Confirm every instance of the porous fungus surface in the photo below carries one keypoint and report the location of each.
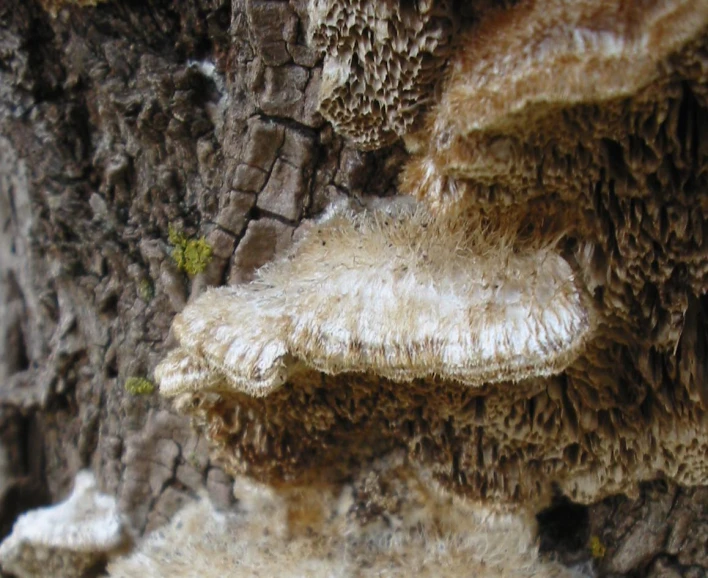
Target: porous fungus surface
(381, 63)
(593, 431)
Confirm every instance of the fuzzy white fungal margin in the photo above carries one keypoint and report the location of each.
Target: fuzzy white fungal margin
(401, 296)
(66, 539)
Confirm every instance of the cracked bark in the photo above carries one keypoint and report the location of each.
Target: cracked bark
(116, 123)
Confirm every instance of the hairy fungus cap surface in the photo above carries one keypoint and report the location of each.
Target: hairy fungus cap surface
(66, 539)
(381, 63)
(542, 55)
(474, 307)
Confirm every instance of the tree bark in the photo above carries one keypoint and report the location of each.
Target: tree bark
(119, 123)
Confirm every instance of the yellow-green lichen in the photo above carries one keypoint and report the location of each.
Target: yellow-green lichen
(146, 290)
(193, 461)
(190, 255)
(597, 548)
(139, 386)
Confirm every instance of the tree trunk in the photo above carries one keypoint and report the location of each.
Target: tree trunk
(120, 124)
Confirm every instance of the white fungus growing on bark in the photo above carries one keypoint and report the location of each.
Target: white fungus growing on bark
(65, 540)
(404, 297)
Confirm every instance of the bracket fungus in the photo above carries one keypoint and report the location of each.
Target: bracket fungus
(526, 80)
(469, 304)
(599, 110)
(381, 62)
(538, 321)
(322, 533)
(314, 368)
(68, 539)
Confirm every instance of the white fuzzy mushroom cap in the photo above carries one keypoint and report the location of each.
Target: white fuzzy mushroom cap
(65, 539)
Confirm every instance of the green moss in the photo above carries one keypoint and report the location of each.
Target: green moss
(139, 386)
(146, 290)
(190, 255)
